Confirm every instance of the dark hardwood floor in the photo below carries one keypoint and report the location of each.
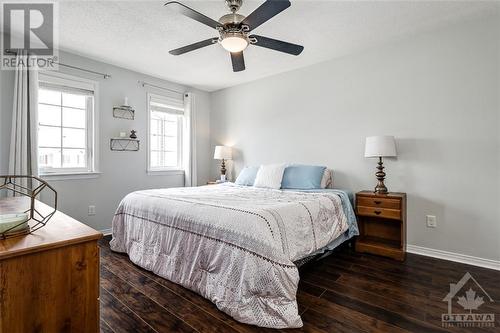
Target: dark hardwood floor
(346, 292)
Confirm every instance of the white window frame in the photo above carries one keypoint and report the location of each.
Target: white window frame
(92, 133)
(179, 169)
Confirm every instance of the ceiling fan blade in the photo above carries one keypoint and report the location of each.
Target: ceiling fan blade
(277, 45)
(194, 46)
(264, 12)
(185, 10)
(238, 61)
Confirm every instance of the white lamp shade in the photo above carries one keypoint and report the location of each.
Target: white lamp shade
(380, 146)
(223, 153)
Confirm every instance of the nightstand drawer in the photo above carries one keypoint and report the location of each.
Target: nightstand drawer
(379, 202)
(379, 212)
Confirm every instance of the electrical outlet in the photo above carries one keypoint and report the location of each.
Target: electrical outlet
(91, 210)
(431, 221)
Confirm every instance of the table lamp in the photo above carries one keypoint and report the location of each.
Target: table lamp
(223, 153)
(380, 146)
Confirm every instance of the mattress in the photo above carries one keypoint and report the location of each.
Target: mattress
(234, 245)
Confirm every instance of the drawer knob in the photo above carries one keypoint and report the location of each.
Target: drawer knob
(377, 212)
(377, 202)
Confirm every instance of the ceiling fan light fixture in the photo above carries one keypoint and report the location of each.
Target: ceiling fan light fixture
(234, 42)
(235, 30)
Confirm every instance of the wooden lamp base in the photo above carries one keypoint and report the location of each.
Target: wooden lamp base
(380, 174)
(223, 171)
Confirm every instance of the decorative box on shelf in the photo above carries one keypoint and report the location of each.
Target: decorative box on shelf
(382, 224)
(124, 144)
(124, 112)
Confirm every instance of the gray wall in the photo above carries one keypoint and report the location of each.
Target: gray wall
(122, 172)
(437, 93)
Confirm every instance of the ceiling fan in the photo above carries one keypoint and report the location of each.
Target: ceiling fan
(234, 30)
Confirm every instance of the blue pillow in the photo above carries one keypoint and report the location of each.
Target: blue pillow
(247, 176)
(302, 177)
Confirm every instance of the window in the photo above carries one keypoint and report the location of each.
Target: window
(166, 121)
(65, 125)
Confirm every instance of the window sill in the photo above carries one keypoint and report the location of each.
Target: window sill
(70, 176)
(165, 172)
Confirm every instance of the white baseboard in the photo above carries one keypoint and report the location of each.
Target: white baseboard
(457, 257)
(106, 232)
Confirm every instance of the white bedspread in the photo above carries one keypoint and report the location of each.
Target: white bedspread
(233, 245)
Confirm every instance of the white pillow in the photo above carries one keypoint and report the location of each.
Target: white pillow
(327, 180)
(270, 176)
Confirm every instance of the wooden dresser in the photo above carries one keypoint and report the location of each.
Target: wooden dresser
(49, 280)
(382, 224)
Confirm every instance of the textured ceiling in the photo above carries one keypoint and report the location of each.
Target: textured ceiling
(138, 34)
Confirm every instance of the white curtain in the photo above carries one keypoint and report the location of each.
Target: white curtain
(189, 150)
(23, 159)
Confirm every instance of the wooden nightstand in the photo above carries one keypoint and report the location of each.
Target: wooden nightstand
(382, 224)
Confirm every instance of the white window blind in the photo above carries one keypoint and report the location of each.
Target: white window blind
(166, 118)
(65, 125)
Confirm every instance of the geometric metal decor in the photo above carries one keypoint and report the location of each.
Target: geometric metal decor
(124, 144)
(24, 191)
(124, 112)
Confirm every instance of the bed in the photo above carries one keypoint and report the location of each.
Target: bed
(238, 246)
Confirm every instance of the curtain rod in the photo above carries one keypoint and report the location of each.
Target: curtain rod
(104, 75)
(142, 83)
